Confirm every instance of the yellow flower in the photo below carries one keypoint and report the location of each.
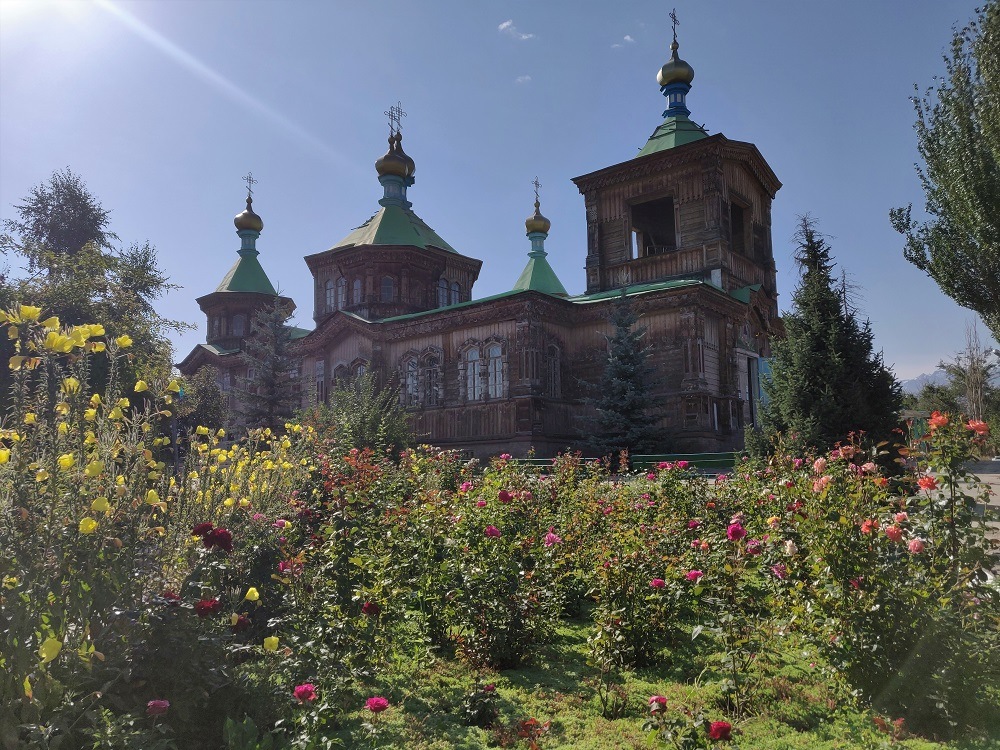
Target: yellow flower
(50, 649)
(30, 418)
(90, 414)
(99, 346)
(252, 595)
(123, 403)
(174, 387)
(244, 503)
(90, 439)
(88, 525)
(140, 386)
(234, 619)
(95, 400)
(221, 433)
(66, 461)
(271, 643)
(95, 329)
(70, 386)
(27, 312)
(94, 468)
(62, 408)
(56, 342)
(63, 428)
(228, 502)
(152, 497)
(115, 413)
(124, 341)
(100, 505)
(4, 455)
(51, 324)
(41, 475)
(201, 430)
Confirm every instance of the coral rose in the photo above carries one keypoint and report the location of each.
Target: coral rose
(927, 483)
(937, 419)
(895, 533)
(978, 426)
(916, 546)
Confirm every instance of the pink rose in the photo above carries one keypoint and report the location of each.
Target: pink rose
(735, 532)
(895, 533)
(305, 693)
(504, 497)
(157, 707)
(377, 704)
(466, 486)
(780, 571)
(693, 575)
(901, 517)
(916, 546)
(819, 465)
(657, 703)
(694, 524)
(657, 583)
(682, 465)
(480, 503)
(651, 476)
(551, 538)
(492, 531)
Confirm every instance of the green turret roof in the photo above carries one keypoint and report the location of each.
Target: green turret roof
(395, 225)
(676, 130)
(538, 276)
(247, 276)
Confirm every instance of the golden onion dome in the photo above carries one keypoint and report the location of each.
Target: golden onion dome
(411, 166)
(248, 219)
(392, 163)
(676, 70)
(537, 222)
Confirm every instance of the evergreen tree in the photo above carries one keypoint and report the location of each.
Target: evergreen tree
(204, 403)
(826, 380)
(267, 394)
(626, 418)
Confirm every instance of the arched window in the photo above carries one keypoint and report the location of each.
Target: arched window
(442, 292)
(360, 369)
(455, 292)
(417, 293)
(340, 374)
(411, 389)
(356, 296)
(432, 379)
(388, 289)
(330, 300)
(320, 381)
(239, 324)
(473, 376)
(553, 384)
(341, 293)
(494, 371)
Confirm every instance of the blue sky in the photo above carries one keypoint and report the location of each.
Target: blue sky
(162, 107)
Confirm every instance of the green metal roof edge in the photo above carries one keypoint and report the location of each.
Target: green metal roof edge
(247, 275)
(395, 225)
(675, 131)
(636, 289)
(539, 276)
(744, 292)
(299, 333)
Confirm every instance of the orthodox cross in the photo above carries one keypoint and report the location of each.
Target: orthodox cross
(674, 22)
(537, 185)
(250, 181)
(395, 114)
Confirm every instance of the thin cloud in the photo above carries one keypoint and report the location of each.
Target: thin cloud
(522, 79)
(627, 39)
(508, 27)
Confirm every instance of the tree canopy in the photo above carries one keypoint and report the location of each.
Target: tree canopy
(958, 136)
(268, 397)
(826, 381)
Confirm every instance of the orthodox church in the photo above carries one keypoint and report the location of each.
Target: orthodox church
(683, 229)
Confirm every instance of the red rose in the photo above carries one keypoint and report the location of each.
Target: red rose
(207, 607)
(201, 529)
(221, 538)
(720, 730)
(371, 609)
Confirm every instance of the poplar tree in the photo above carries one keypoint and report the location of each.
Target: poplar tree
(826, 380)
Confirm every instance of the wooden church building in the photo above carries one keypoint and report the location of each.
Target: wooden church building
(684, 228)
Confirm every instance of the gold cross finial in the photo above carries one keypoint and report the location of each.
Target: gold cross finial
(250, 181)
(674, 22)
(395, 114)
(537, 185)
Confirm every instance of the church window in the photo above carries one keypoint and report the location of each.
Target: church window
(227, 381)
(473, 376)
(411, 390)
(340, 374)
(331, 299)
(356, 296)
(455, 293)
(341, 293)
(737, 227)
(442, 292)
(239, 324)
(654, 227)
(360, 368)
(495, 384)
(215, 326)
(320, 381)
(432, 379)
(553, 384)
(388, 289)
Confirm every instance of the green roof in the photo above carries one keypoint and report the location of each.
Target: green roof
(675, 131)
(636, 289)
(247, 276)
(395, 225)
(299, 333)
(744, 292)
(538, 276)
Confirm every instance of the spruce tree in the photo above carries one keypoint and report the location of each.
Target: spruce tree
(268, 397)
(826, 381)
(626, 416)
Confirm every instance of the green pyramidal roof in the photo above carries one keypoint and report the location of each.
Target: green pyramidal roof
(395, 225)
(676, 130)
(247, 276)
(538, 276)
